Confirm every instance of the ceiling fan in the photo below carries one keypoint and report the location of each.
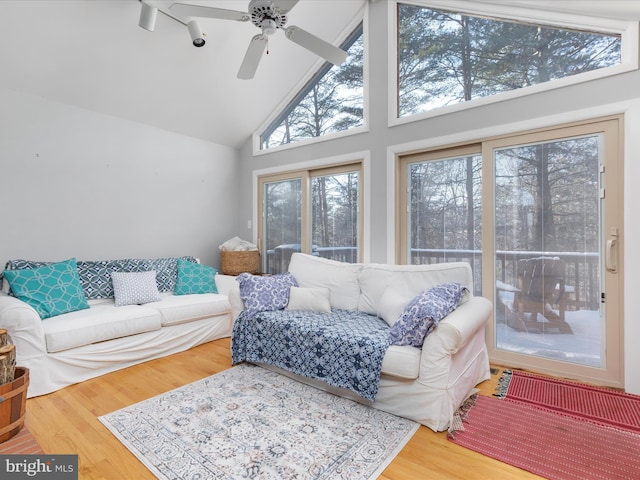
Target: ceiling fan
(269, 16)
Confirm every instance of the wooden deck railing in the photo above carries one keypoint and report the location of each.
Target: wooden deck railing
(581, 273)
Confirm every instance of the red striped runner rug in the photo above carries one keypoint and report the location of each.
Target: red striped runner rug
(601, 405)
(22, 443)
(549, 444)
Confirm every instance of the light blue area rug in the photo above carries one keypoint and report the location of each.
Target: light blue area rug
(249, 422)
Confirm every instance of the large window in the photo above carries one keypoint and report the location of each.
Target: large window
(331, 102)
(447, 57)
(312, 211)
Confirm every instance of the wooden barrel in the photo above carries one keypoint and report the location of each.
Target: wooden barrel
(13, 404)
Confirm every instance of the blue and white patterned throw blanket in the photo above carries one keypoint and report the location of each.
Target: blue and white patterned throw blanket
(342, 348)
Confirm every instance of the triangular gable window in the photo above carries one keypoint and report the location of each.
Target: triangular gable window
(332, 101)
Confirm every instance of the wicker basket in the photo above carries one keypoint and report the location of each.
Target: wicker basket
(235, 263)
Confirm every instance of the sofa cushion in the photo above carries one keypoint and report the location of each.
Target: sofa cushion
(176, 309)
(392, 304)
(408, 279)
(402, 362)
(103, 321)
(50, 289)
(340, 278)
(195, 278)
(134, 288)
(309, 299)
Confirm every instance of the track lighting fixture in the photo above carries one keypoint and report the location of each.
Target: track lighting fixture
(197, 36)
(149, 12)
(148, 16)
(268, 15)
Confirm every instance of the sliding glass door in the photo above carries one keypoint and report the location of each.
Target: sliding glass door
(443, 198)
(538, 216)
(335, 206)
(557, 218)
(282, 223)
(315, 211)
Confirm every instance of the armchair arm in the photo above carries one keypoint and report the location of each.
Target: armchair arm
(227, 285)
(24, 327)
(453, 333)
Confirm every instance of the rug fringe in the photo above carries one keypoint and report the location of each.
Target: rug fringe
(503, 384)
(460, 417)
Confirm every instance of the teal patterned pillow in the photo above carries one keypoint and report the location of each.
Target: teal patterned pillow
(195, 278)
(51, 289)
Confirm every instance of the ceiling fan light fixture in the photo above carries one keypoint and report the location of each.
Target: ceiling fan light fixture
(197, 36)
(148, 16)
(269, 26)
(267, 15)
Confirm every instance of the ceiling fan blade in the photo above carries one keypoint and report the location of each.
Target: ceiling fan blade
(318, 46)
(252, 57)
(284, 6)
(186, 10)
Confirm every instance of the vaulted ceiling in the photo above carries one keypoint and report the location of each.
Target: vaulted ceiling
(92, 54)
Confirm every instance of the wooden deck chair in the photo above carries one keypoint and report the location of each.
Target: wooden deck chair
(540, 287)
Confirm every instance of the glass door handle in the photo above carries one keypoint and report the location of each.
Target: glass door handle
(611, 253)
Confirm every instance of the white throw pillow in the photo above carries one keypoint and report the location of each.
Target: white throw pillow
(135, 288)
(392, 304)
(340, 278)
(309, 299)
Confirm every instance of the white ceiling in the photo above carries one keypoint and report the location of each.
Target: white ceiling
(92, 54)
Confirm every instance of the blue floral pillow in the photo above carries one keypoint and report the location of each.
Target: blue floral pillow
(423, 313)
(261, 294)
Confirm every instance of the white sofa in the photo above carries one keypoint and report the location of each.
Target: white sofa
(73, 347)
(426, 385)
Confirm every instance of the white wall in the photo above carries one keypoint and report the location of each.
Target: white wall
(617, 94)
(75, 183)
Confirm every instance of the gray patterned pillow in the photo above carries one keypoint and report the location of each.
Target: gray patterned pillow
(261, 294)
(96, 275)
(423, 313)
(135, 288)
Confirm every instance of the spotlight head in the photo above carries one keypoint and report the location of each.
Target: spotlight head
(197, 36)
(148, 16)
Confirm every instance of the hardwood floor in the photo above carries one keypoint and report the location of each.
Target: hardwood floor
(66, 422)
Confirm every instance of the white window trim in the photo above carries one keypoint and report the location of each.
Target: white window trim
(629, 31)
(361, 16)
(364, 157)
